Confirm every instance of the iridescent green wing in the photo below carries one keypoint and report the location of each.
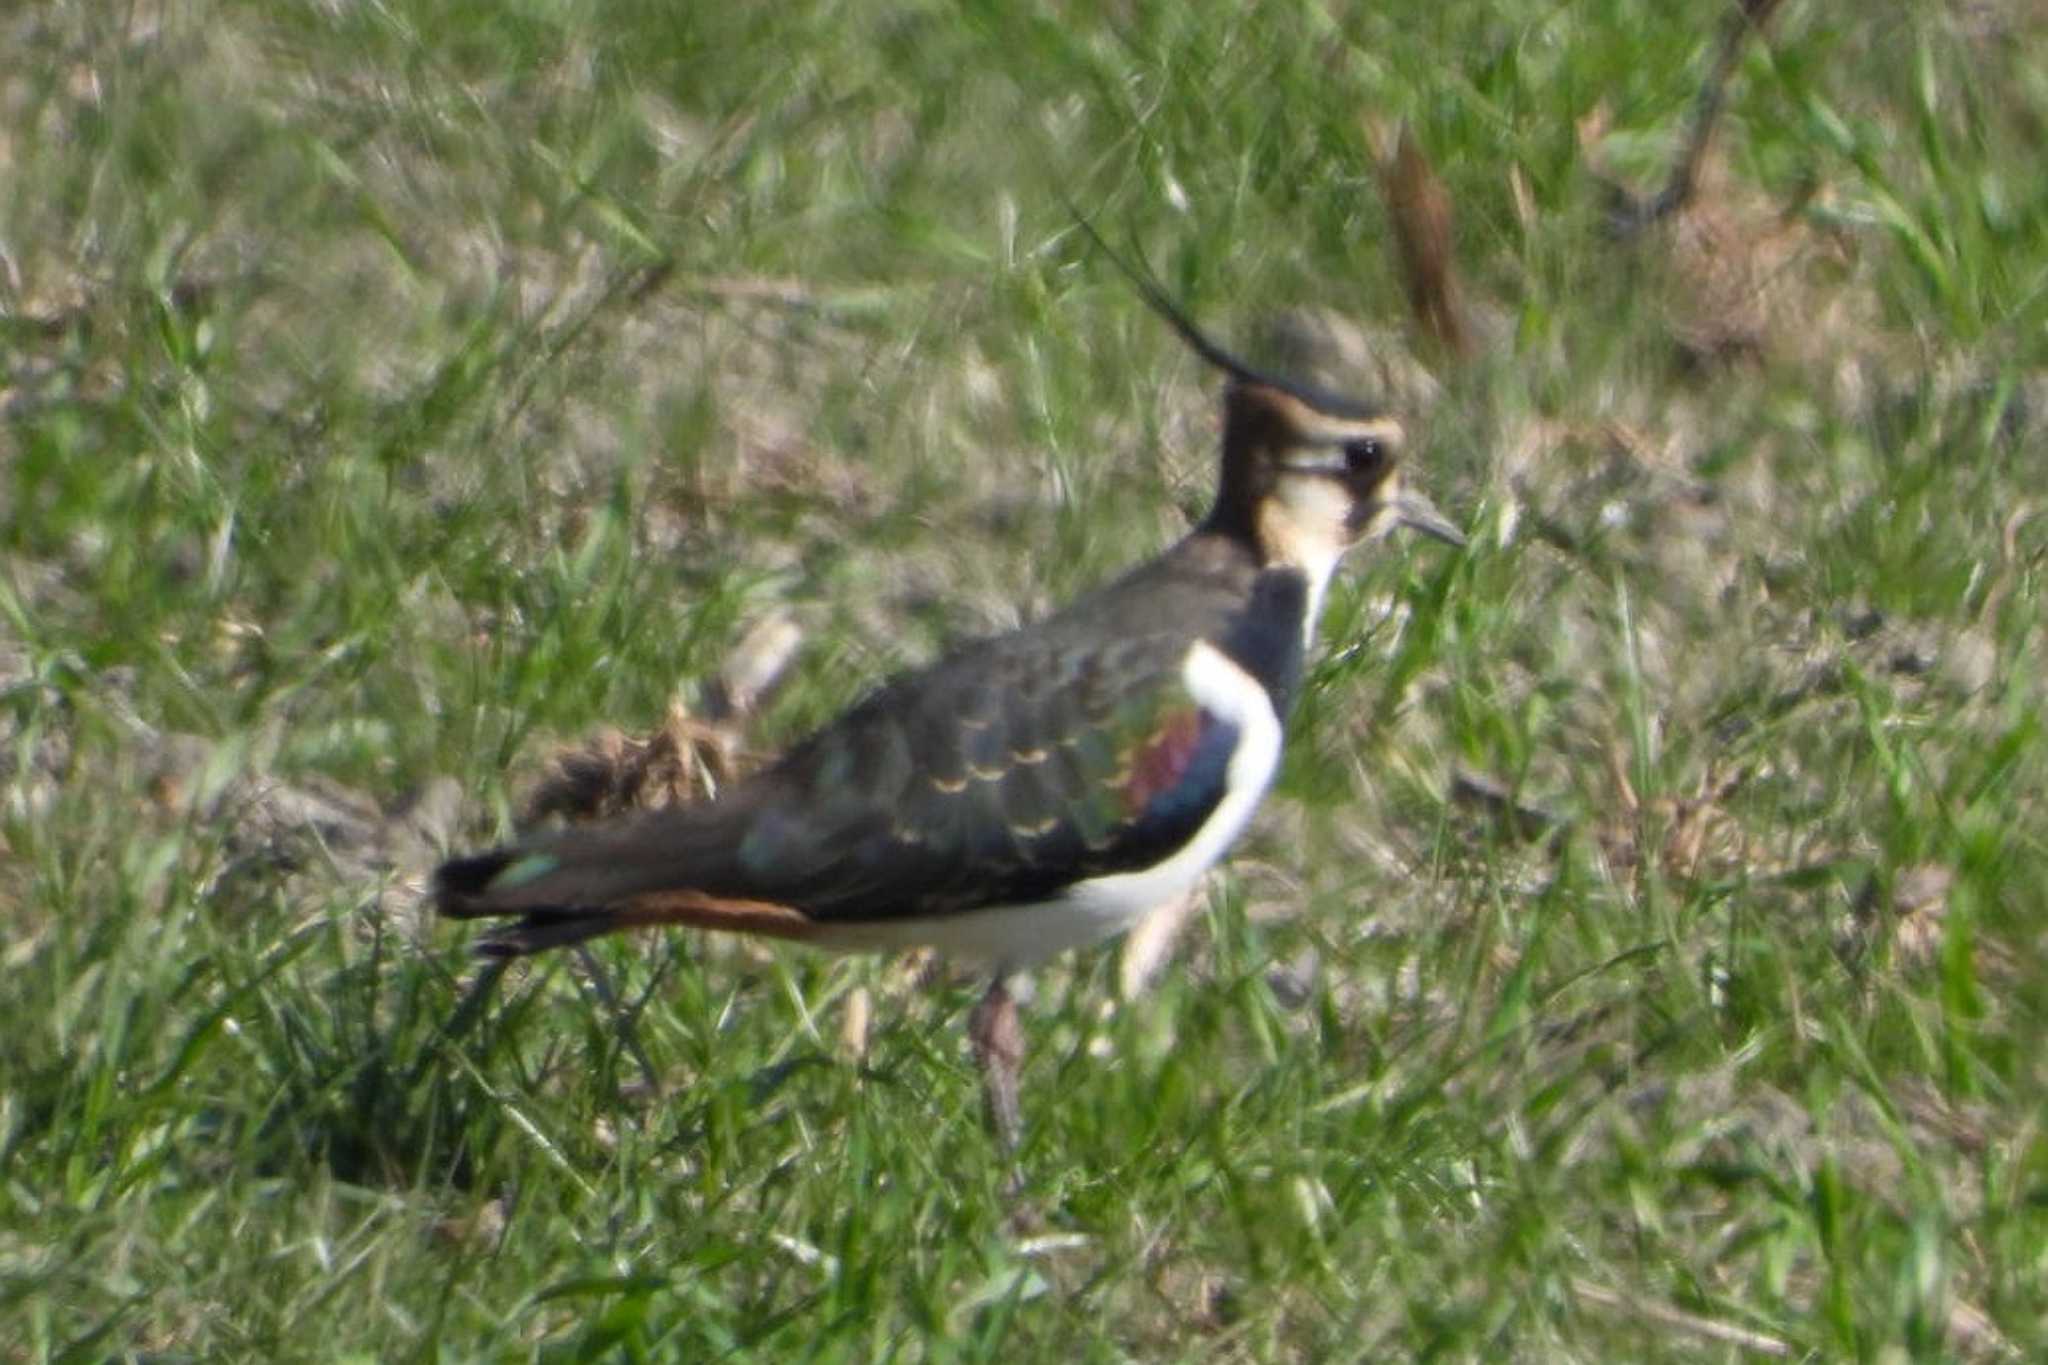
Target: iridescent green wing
(999, 778)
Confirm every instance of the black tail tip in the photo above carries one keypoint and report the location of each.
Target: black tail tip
(467, 888)
(460, 883)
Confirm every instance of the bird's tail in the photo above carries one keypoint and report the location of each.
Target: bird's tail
(576, 886)
(487, 885)
(462, 889)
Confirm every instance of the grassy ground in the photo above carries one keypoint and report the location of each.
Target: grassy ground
(392, 392)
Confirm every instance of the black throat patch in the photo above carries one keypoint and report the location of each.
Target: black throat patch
(1268, 640)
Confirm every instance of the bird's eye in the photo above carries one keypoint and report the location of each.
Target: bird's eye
(1364, 455)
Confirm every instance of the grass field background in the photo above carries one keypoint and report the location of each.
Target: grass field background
(1642, 958)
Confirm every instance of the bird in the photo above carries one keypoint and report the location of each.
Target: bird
(1029, 793)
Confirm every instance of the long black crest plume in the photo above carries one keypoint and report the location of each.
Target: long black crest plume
(1159, 301)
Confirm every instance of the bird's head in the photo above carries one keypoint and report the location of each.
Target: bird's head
(1307, 473)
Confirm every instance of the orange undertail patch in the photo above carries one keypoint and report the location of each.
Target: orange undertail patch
(727, 915)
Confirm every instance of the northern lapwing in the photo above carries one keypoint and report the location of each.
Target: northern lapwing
(1029, 793)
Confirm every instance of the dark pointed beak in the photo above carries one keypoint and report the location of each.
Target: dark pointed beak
(1418, 513)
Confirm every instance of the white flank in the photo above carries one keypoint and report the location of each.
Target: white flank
(1015, 937)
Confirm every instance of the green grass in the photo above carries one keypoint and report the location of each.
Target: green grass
(388, 392)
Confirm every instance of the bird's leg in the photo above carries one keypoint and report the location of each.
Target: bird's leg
(998, 1038)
